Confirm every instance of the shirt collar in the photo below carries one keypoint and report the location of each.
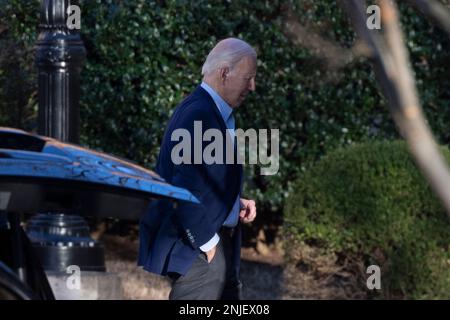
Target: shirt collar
(224, 108)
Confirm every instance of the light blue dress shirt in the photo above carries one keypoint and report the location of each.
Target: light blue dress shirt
(227, 115)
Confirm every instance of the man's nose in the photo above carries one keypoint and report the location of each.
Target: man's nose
(252, 84)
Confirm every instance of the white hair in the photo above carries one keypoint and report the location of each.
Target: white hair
(227, 53)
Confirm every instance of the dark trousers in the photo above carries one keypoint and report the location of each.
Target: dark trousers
(209, 281)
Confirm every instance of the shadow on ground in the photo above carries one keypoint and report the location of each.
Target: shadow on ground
(261, 280)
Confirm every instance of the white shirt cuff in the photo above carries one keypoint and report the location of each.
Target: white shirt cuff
(211, 243)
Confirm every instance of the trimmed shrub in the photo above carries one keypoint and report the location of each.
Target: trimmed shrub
(368, 204)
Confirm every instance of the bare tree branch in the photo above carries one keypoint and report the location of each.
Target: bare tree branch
(436, 11)
(304, 36)
(391, 66)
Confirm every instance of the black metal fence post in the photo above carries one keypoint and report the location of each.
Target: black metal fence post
(60, 56)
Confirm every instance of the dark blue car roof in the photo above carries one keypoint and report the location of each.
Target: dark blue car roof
(43, 174)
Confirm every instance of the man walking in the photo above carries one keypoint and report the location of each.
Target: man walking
(198, 245)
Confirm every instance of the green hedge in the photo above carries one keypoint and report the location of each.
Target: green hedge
(144, 56)
(368, 203)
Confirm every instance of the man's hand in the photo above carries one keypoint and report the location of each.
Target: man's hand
(210, 254)
(248, 210)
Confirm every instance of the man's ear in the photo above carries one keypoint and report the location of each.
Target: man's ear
(223, 73)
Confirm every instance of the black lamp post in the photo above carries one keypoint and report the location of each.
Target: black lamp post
(60, 56)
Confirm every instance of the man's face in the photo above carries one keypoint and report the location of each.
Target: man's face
(240, 81)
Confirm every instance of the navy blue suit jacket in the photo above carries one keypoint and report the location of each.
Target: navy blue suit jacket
(170, 236)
